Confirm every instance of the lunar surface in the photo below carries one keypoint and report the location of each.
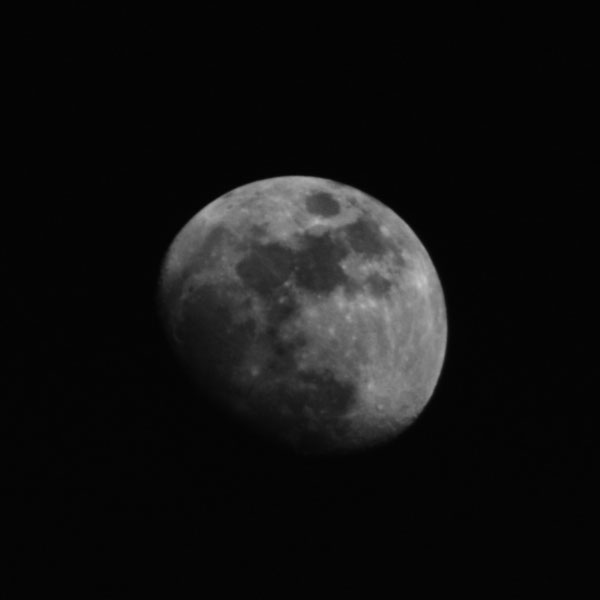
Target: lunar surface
(310, 310)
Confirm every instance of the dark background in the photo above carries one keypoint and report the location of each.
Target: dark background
(129, 123)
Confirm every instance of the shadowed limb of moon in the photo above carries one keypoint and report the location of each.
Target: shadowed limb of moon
(311, 307)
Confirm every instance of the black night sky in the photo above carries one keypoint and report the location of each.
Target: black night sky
(129, 124)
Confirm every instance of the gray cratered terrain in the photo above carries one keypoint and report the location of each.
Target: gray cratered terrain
(310, 309)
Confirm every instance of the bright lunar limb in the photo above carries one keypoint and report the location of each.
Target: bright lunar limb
(310, 309)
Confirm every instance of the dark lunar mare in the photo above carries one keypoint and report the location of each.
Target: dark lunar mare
(322, 204)
(304, 407)
(318, 268)
(324, 394)
(211, 341)
(364, 237)
(378, 286)
(266, 267)
(282, 397)
(314, 267)
(276, 272)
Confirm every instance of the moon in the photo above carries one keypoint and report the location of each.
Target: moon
(310, 310)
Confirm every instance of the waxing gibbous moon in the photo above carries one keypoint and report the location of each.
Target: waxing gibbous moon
(311, 312)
